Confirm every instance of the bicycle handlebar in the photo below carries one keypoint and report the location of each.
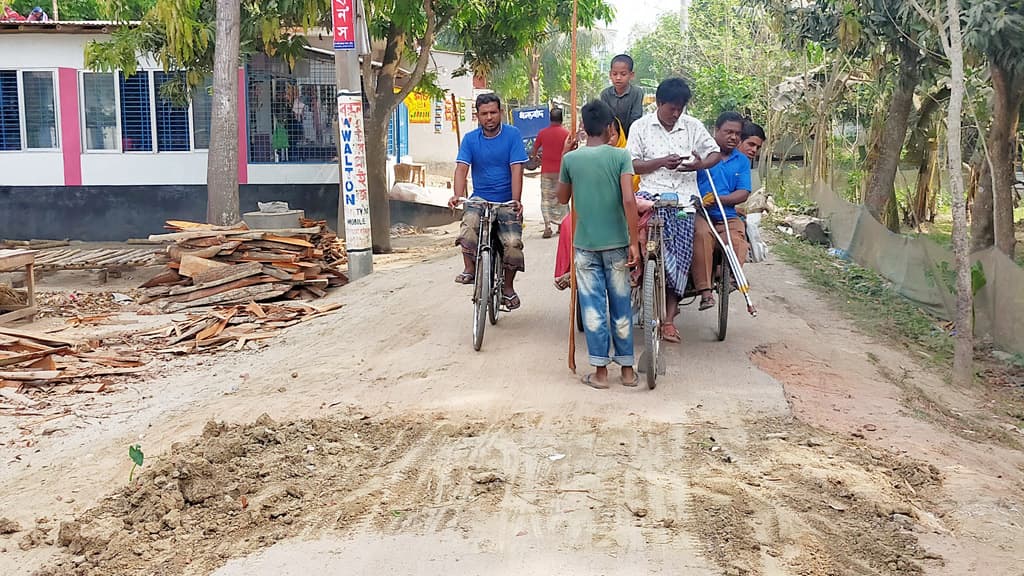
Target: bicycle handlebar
(481, 202)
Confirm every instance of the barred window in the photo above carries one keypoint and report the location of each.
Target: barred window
(202, 108)
(40, 110)
(100, 103)
(291, 111)
(136, 125)
(10, 122)
(172, 129)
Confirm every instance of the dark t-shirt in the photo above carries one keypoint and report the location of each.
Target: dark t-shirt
(628, 107)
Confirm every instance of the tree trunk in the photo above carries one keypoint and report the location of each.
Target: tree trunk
(1007, 96)
(892, 213)
(882, 179)
(222, 160)
(982, 223)
(533, 56)
(925, 176)
(963, 355)
(874, 148)
(377, 180)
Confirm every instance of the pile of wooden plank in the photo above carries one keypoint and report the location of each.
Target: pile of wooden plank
(30, 360)
(216, 265)
(34, 244)
(327, 241)
(232, 327)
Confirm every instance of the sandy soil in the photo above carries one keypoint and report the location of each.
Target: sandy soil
(375, 440)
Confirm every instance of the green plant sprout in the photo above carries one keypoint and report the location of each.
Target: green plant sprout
(135, 453)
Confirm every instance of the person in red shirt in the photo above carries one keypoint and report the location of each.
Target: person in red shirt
(550, 145)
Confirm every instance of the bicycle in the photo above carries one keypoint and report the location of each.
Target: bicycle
(490, 273)
(649, 297)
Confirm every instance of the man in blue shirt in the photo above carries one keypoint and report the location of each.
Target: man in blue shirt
(732, 180)
(496, 155)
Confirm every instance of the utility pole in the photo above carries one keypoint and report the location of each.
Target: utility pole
(684, 17)
(350, 38)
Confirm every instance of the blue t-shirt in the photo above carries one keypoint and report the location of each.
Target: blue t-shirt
(731, 174)
(491, 161)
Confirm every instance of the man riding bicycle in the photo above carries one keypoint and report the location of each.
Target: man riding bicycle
(496, 155)
(668, 147)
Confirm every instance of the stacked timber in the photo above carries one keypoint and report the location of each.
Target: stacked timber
(218, 265)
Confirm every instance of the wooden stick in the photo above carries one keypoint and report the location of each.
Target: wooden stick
(455, 120)
(573, 297)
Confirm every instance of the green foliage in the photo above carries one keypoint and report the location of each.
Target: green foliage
(511, 79)
(491, 32)
(731, 57)
(659, 54)
(995, 28)
(867, 297)
(180, 34)
(137, 458)
(719, 88)
(78, 10)
(947, 276)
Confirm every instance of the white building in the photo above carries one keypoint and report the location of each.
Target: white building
(101, 156)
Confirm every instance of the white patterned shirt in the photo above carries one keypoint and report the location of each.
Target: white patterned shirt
(649, 140)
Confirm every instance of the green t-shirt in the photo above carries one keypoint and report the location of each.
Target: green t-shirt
(595, 174)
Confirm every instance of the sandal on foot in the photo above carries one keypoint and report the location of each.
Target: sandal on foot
(510, 301)
(465, 278)
(669, 333)
(707, 300)
(589, 380)
(546, 234)
(630, 383)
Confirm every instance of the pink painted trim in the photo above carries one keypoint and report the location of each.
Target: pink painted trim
(70, 130)
(243, 147)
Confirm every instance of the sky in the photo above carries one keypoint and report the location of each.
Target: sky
(629, 13)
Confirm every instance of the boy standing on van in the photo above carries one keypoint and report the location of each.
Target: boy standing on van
(626, 100)
(600, 178)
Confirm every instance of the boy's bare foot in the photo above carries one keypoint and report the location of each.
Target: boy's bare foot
(629, 376)
(598, 379)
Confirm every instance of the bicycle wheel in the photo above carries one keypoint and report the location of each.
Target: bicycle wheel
(724, 287)
(499, 278)
(651, 323)
(482, 298)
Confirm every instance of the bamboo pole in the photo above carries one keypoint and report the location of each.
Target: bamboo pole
(573, 297)
(456, 117)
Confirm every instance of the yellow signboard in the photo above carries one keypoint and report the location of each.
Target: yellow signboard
(419, 105)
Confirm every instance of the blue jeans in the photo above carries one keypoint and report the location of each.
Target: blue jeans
(603, 282)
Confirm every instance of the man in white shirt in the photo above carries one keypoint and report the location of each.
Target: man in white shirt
(668, 147)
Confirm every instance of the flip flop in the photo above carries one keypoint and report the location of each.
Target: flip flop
(588, 379)
(465, 278)
(670, 333)
(510, 301)
(631, 383)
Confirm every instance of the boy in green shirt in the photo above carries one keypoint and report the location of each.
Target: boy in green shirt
(600, 178)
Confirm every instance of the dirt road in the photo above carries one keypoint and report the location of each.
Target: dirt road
(376, 441)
